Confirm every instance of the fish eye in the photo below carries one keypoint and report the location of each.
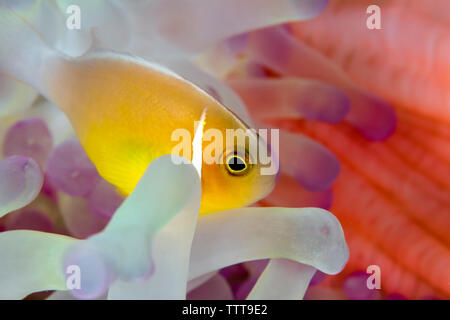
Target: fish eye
(237, 164)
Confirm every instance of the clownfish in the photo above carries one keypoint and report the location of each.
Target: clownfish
(124, 111)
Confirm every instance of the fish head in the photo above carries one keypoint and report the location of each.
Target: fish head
(239, 167)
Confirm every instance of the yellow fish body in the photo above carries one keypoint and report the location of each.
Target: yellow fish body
(124, 111)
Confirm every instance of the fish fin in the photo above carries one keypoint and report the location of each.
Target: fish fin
(23, 49)
(122, 164)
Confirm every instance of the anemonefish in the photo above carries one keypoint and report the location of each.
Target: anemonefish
(124, 110)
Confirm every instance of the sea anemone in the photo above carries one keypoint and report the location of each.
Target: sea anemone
(61, 216)
(391, 196)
